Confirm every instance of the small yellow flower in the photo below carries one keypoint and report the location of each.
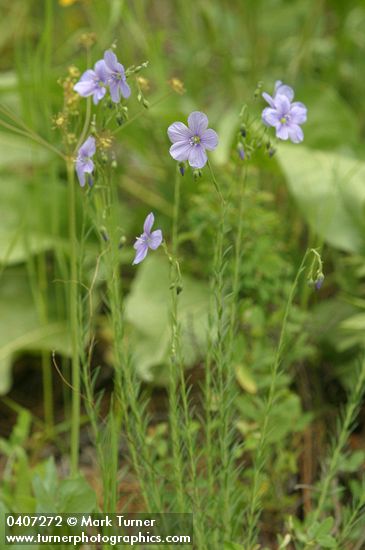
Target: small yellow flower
(59, 121)
(177, 85)
(105, 140)
(143, 83)
(87, 39)
(65, 3)
(73, 71)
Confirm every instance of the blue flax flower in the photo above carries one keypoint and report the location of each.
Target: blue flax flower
(190, 143)
(147, 240)
(84, 164)
(116, 77)
(93, 82)
(283, 114)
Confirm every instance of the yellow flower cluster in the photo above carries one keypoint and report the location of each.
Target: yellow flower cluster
(65, 3)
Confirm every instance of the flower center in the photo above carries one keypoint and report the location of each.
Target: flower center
(99, 82)
(195, 140)
(117, 76)
(284, 119)
(145, 239)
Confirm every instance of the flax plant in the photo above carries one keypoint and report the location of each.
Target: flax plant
(261, 452)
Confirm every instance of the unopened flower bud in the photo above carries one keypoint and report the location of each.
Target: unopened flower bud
(197, 174)
(182, 168)
(319, 281)
(241, 151)
(122, 242)
(179, 289)
(243, 131)
(104, 234)
(272, 152)
(258, 90)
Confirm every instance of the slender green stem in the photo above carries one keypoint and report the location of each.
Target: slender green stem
(237, 258)
(86, 124)
(259, 459)
(175, 214)
(131, 414)
(34, 137)
(142, 112)
(74, 325)
(215, 183)
(181, 425)
(349, 417)
(175, 360)
(88, 112)
(217, 384)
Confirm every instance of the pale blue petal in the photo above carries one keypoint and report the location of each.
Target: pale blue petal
(197, 157)
(278, 83)
(269, 99)
(298, 113)
(209, 139)
(270, 117)
(282, 105)
(80, 173)
(282, 89)
(99, 93)
(88, 148)
(125, 89)
(88, 75)
(282, 132)
(198, 122)
(178, 131)
(88, 166)
(114, 91)
(156, 239)
(111, 60)
(101, 71)
(180, 151)
(295, 133)
(85, 88)
(148, 223)
(141, 253)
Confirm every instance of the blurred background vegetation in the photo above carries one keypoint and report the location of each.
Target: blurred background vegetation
(305, 196)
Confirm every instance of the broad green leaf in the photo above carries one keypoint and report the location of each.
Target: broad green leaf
(148, 311)
(21, 232)
(317, 529)
(328, 116)
(45, 499)
(326, 541)
(16, 150)
(330, 192)
(76, 496)
(20, 328)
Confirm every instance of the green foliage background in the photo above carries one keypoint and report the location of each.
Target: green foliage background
(311, 195)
